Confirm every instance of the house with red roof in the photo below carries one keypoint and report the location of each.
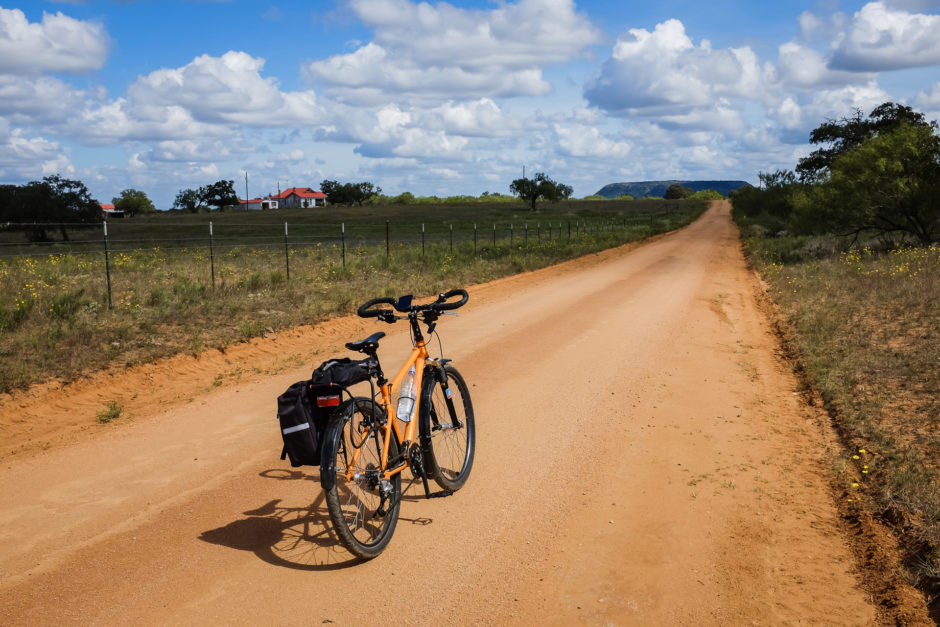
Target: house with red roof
(300, 197)
(256, 204)
(108, 211)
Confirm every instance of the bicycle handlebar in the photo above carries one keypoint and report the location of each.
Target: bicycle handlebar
(403, 304)
(366, 311)
(441, 305)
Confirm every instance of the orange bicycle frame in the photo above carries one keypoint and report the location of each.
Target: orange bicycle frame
(418, 358)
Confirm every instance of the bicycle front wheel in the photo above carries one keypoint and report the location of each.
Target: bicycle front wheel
(363, 507)
(448, 432)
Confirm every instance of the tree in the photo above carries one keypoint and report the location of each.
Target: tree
(888, 184)
(348, 193)
(531, 190)
(52, 201)
(133, 202)
(677, 191)
(850, 132)
(364, 191)
(220, 194)
(188, 199)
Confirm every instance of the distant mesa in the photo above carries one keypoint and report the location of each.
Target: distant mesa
(658, 188)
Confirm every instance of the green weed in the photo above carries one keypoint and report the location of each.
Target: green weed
(112, 411)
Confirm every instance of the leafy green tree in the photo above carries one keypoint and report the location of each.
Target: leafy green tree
(541, 187)
(841, 136)
(677, 191)
(188, 199)
(348, 193)
(888, 184)
(219, 194)
(52, 202)
(133, 202)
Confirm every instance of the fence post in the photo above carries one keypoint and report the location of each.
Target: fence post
(343, 235)
(286, 253)
(538, 231)
(494, 235)
(387, 246)
(422, 239)
(211, 255)
(526, 233)
(474, 239)
(569, 229)
(107, 262)
(510, 234)
(451, 238)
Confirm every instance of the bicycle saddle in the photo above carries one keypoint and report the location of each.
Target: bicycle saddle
(368, 345)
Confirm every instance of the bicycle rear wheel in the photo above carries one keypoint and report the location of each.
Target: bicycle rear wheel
(448, 432)
(363, 508)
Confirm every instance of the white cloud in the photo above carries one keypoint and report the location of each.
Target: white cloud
(478, 118)
(664, 73)
(928, 101)
(579, 141)
(803, 68)
(437, 51)
(208, 98)
(226, 89)
(879, 38)
(35, 100)
(23, 157)
(58, 44)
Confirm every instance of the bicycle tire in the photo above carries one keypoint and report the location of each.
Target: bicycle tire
(355, 505)
(448, 442)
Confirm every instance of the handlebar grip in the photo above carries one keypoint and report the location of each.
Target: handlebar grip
(366, 311)
(442, 305)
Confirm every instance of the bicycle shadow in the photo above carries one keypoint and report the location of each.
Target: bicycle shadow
(300, 538)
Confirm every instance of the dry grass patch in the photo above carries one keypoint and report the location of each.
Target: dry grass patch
(867, 328)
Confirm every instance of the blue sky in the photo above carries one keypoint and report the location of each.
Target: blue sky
(441, 98)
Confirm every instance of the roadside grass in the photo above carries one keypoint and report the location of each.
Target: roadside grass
(109, 413)
(55, 320)
(866, 326)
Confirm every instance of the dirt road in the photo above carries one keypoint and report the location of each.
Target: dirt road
(642, 459)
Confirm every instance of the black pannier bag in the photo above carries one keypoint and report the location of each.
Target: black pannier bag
(304, 408)
(342, 372)
(301, 426)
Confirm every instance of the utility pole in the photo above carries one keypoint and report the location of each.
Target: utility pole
(246, 190)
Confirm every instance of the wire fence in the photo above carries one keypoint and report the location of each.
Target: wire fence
(210, 240)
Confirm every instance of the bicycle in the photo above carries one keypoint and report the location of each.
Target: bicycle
(367, 443)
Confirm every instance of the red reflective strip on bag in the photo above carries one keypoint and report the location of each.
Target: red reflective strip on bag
(328, 401)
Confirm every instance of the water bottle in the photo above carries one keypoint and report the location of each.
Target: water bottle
(406, 397)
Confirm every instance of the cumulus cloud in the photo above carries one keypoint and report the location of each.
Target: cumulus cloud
(928, 101)
(210, 97)
(477, 118)
(664, 73)
(879, 38)
(23, 157)
(37, 100)
(422, 50)
(579, 141)
(58, 44)
(225, 89)
(803, 68)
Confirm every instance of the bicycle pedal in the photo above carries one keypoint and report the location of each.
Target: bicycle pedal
(439, 495)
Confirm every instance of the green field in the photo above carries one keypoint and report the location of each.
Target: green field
(171, 291)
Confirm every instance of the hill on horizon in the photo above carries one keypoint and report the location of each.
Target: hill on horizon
(641, 189)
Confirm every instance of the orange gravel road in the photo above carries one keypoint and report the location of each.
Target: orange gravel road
(642, 458)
